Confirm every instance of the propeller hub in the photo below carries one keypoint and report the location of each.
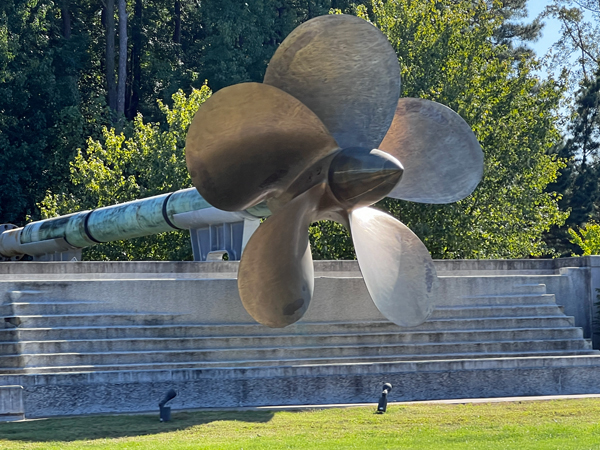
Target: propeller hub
(360, 177)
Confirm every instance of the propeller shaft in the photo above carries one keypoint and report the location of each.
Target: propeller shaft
(359, 177)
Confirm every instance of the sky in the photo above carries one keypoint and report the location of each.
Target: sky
(551, 31)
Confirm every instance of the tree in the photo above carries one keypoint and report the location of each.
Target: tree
(448, 54)
(58, 80)
(55, 83)
(578, 182)
(142, 161)
(108, 13)
(122, 8)
(42, 110)
(580, 39)
(514, 35)
(587, 239)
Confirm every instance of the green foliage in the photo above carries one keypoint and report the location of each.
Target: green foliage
(587, 238)
(330, 240)
(41, 110)
(457, 52)
(142, 161)
(578, 182)
(53, 74)
(447, 54)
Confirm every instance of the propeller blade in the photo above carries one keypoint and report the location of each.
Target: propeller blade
(442, 159)
(345, 70)
(276, 274)
(250, 141)
(396, 266)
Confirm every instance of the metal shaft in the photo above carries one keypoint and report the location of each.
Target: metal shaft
(179, 210)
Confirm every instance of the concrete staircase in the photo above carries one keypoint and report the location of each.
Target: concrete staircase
(117, 341)
(41, 335)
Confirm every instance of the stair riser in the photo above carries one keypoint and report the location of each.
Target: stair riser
(33, 309)
(498, 311)
(535, 288)
(150, 319)
(304, 330)
(10, 334)
(439, 359)
(504, 300)
(95, 320)
(440, 313)
(9, 348)
(296, 353)
(92, 345)
(496, 323)
(115, 332)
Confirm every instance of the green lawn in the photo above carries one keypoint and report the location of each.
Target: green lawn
(558, 424)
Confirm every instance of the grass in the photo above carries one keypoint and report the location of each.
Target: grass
(557, 424)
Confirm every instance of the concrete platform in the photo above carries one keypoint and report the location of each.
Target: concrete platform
(82, 338)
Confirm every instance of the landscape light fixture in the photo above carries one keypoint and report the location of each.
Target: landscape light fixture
(165, 411)
(382, 406)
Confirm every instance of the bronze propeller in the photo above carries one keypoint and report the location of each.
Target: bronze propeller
(324, 137)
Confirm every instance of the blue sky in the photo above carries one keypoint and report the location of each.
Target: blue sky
(550, 33)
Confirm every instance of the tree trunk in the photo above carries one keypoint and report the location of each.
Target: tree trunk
(66, 19)
(109, 11)
(177, 32)
(136, 65)
(122, 56)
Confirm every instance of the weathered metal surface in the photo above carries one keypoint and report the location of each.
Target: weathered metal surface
(347, 73)
(345, 70)
(276, 275)
(52, 228)
(185, 200)
(6, 241)
(128, 220)
(183, 209)
(76, 231)
(10, 241)
(396, 265)
(250, 141)
(441, 156)
(359, 177)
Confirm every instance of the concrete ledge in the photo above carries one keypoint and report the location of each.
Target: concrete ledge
(190, 267)
(85, 393)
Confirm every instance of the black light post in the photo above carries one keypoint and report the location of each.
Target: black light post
(382, 406)
(165, 411)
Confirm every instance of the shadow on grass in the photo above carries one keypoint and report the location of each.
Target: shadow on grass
(100, 427)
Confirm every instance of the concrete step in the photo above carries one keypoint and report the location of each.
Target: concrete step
(54, 308)
(509, 299)
(301, 329)
(437, 362)
(328, 352)
(21, 295)
(112, 319)
(495, 323)
(91, 319)
(205, 342)
(466, 312)
(530, 288)
(8, 334)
